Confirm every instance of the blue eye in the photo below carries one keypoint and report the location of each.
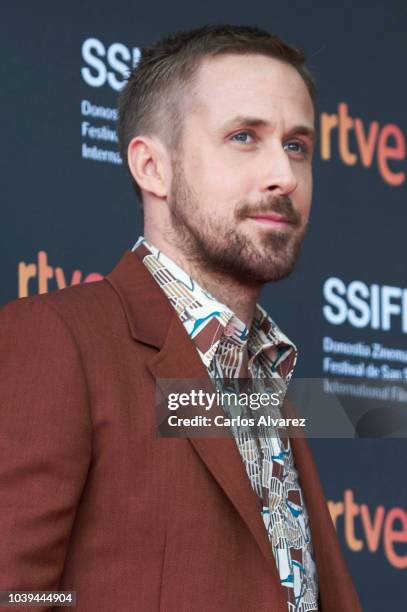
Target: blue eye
(242, 137)
(296, 147)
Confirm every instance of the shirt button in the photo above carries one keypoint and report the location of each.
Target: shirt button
(229, 330)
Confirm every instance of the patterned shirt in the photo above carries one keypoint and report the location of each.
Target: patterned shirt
(230, 350)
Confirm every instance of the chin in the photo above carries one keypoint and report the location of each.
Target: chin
(261, 273)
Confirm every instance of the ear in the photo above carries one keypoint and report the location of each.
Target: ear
(149, 165)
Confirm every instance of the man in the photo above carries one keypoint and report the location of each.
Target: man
(217, 127)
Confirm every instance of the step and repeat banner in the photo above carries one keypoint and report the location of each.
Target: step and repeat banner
(69, 212)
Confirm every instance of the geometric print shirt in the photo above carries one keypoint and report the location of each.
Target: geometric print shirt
(230, 350)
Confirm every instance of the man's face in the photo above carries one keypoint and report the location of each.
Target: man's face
(241, 187)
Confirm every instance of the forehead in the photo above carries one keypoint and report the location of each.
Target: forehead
(251, 84)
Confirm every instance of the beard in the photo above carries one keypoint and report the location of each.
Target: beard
(210, 243)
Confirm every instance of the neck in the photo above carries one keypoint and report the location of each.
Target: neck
(240, 297)
(237, 296)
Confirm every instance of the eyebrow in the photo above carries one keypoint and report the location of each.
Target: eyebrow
(250, 121)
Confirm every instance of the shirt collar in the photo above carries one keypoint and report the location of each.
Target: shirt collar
(207, 321)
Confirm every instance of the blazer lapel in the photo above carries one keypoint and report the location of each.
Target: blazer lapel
(178, 358)
(152, 320)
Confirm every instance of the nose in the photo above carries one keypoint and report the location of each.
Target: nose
(279, 177)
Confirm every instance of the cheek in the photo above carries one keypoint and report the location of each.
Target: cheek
(304, 186)
(218, 186)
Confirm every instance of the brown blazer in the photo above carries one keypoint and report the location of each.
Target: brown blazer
(92, 501)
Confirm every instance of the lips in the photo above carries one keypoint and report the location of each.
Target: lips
(270, 218)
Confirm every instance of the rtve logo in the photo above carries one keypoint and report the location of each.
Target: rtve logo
(107, 64)
(366, 529)
(384, 143)
(41, 273)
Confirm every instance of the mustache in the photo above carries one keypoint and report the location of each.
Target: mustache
(281, 205)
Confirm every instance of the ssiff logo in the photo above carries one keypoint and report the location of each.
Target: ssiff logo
(42, 272)
(107, 64)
